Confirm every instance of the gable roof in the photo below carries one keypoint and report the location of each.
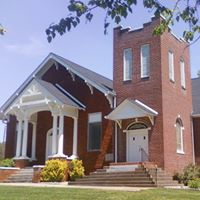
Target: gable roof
(98, 81)
(196, 96)
(97, 78)
(131, 109)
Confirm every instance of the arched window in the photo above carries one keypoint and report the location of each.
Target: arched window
(179, 136)
(136, 126)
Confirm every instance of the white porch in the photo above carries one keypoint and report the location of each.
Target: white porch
(43, 96)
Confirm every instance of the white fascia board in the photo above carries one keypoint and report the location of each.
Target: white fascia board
(72, 97)
(195, 115)
(146, 107)
(41, 88)
(26, 82)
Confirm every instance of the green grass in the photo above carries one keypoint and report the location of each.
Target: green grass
(30, 193)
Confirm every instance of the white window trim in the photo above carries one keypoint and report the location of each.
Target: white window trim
(171, 66)
(124, 66)
(89, 114)
(141, 60)
(182, 70)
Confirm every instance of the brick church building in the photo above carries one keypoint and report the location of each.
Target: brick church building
(146, 114)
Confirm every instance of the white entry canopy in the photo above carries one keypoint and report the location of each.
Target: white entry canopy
(132, 109)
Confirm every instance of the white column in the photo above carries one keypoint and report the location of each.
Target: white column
(54, 136)
(116, 142)
(33, 150)
(75, 139)
(19, 139)
(25, 138)
(61, 135)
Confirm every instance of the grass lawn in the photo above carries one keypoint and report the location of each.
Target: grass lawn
(29, 193)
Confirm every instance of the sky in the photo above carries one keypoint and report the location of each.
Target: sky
(24, 45)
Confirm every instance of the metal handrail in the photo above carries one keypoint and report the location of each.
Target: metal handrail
(153, 170)
(144, 155)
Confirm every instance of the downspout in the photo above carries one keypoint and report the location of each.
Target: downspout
(115, 103)
(193, 154)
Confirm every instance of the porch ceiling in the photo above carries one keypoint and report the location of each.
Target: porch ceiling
(131, 109)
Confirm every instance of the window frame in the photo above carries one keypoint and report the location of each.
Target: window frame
(141, 62)
(182, 73)
(125, 78)
(171, 66)
(181, 150)
(88, 131)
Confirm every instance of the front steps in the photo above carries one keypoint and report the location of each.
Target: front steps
(130, 175)
(24, 175)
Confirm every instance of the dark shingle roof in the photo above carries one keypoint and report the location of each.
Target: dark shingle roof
(196, 96)
(97, 78)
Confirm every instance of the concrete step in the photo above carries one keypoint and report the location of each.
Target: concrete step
(115, 173)
(23, 175)
(123, 184)
(115, 179)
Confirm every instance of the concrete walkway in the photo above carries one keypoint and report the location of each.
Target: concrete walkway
(65, 185)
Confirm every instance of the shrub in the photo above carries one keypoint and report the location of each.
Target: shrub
(190, 172)
(76, 169)
(54, 171)
(7, 163)
(195, 184)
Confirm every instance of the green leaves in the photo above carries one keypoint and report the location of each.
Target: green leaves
(117, 10)
(2, 30)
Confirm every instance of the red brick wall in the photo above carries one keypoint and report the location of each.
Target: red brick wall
(147, 90)
(196, 125)
(10, 147)
(167, 98)
(176, 101)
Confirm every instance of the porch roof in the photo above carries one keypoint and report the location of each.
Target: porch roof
(63, 97)
(131, 109)
(39, 93)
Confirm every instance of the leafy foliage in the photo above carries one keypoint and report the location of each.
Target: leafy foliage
(2, 30)
(7, 163)
(76, 169)
(54, 171)
(195, 184)
(191, 172)
(116, 10)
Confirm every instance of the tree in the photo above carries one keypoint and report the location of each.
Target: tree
(116, 10)
(2, 30)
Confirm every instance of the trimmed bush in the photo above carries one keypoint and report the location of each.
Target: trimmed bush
(195, 184)
(191, 172)
(7, 163)
(54, 171)
(76, 169)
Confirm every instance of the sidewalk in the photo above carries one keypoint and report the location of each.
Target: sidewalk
(65, 185)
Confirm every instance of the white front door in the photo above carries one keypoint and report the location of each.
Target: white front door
(137, 145)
